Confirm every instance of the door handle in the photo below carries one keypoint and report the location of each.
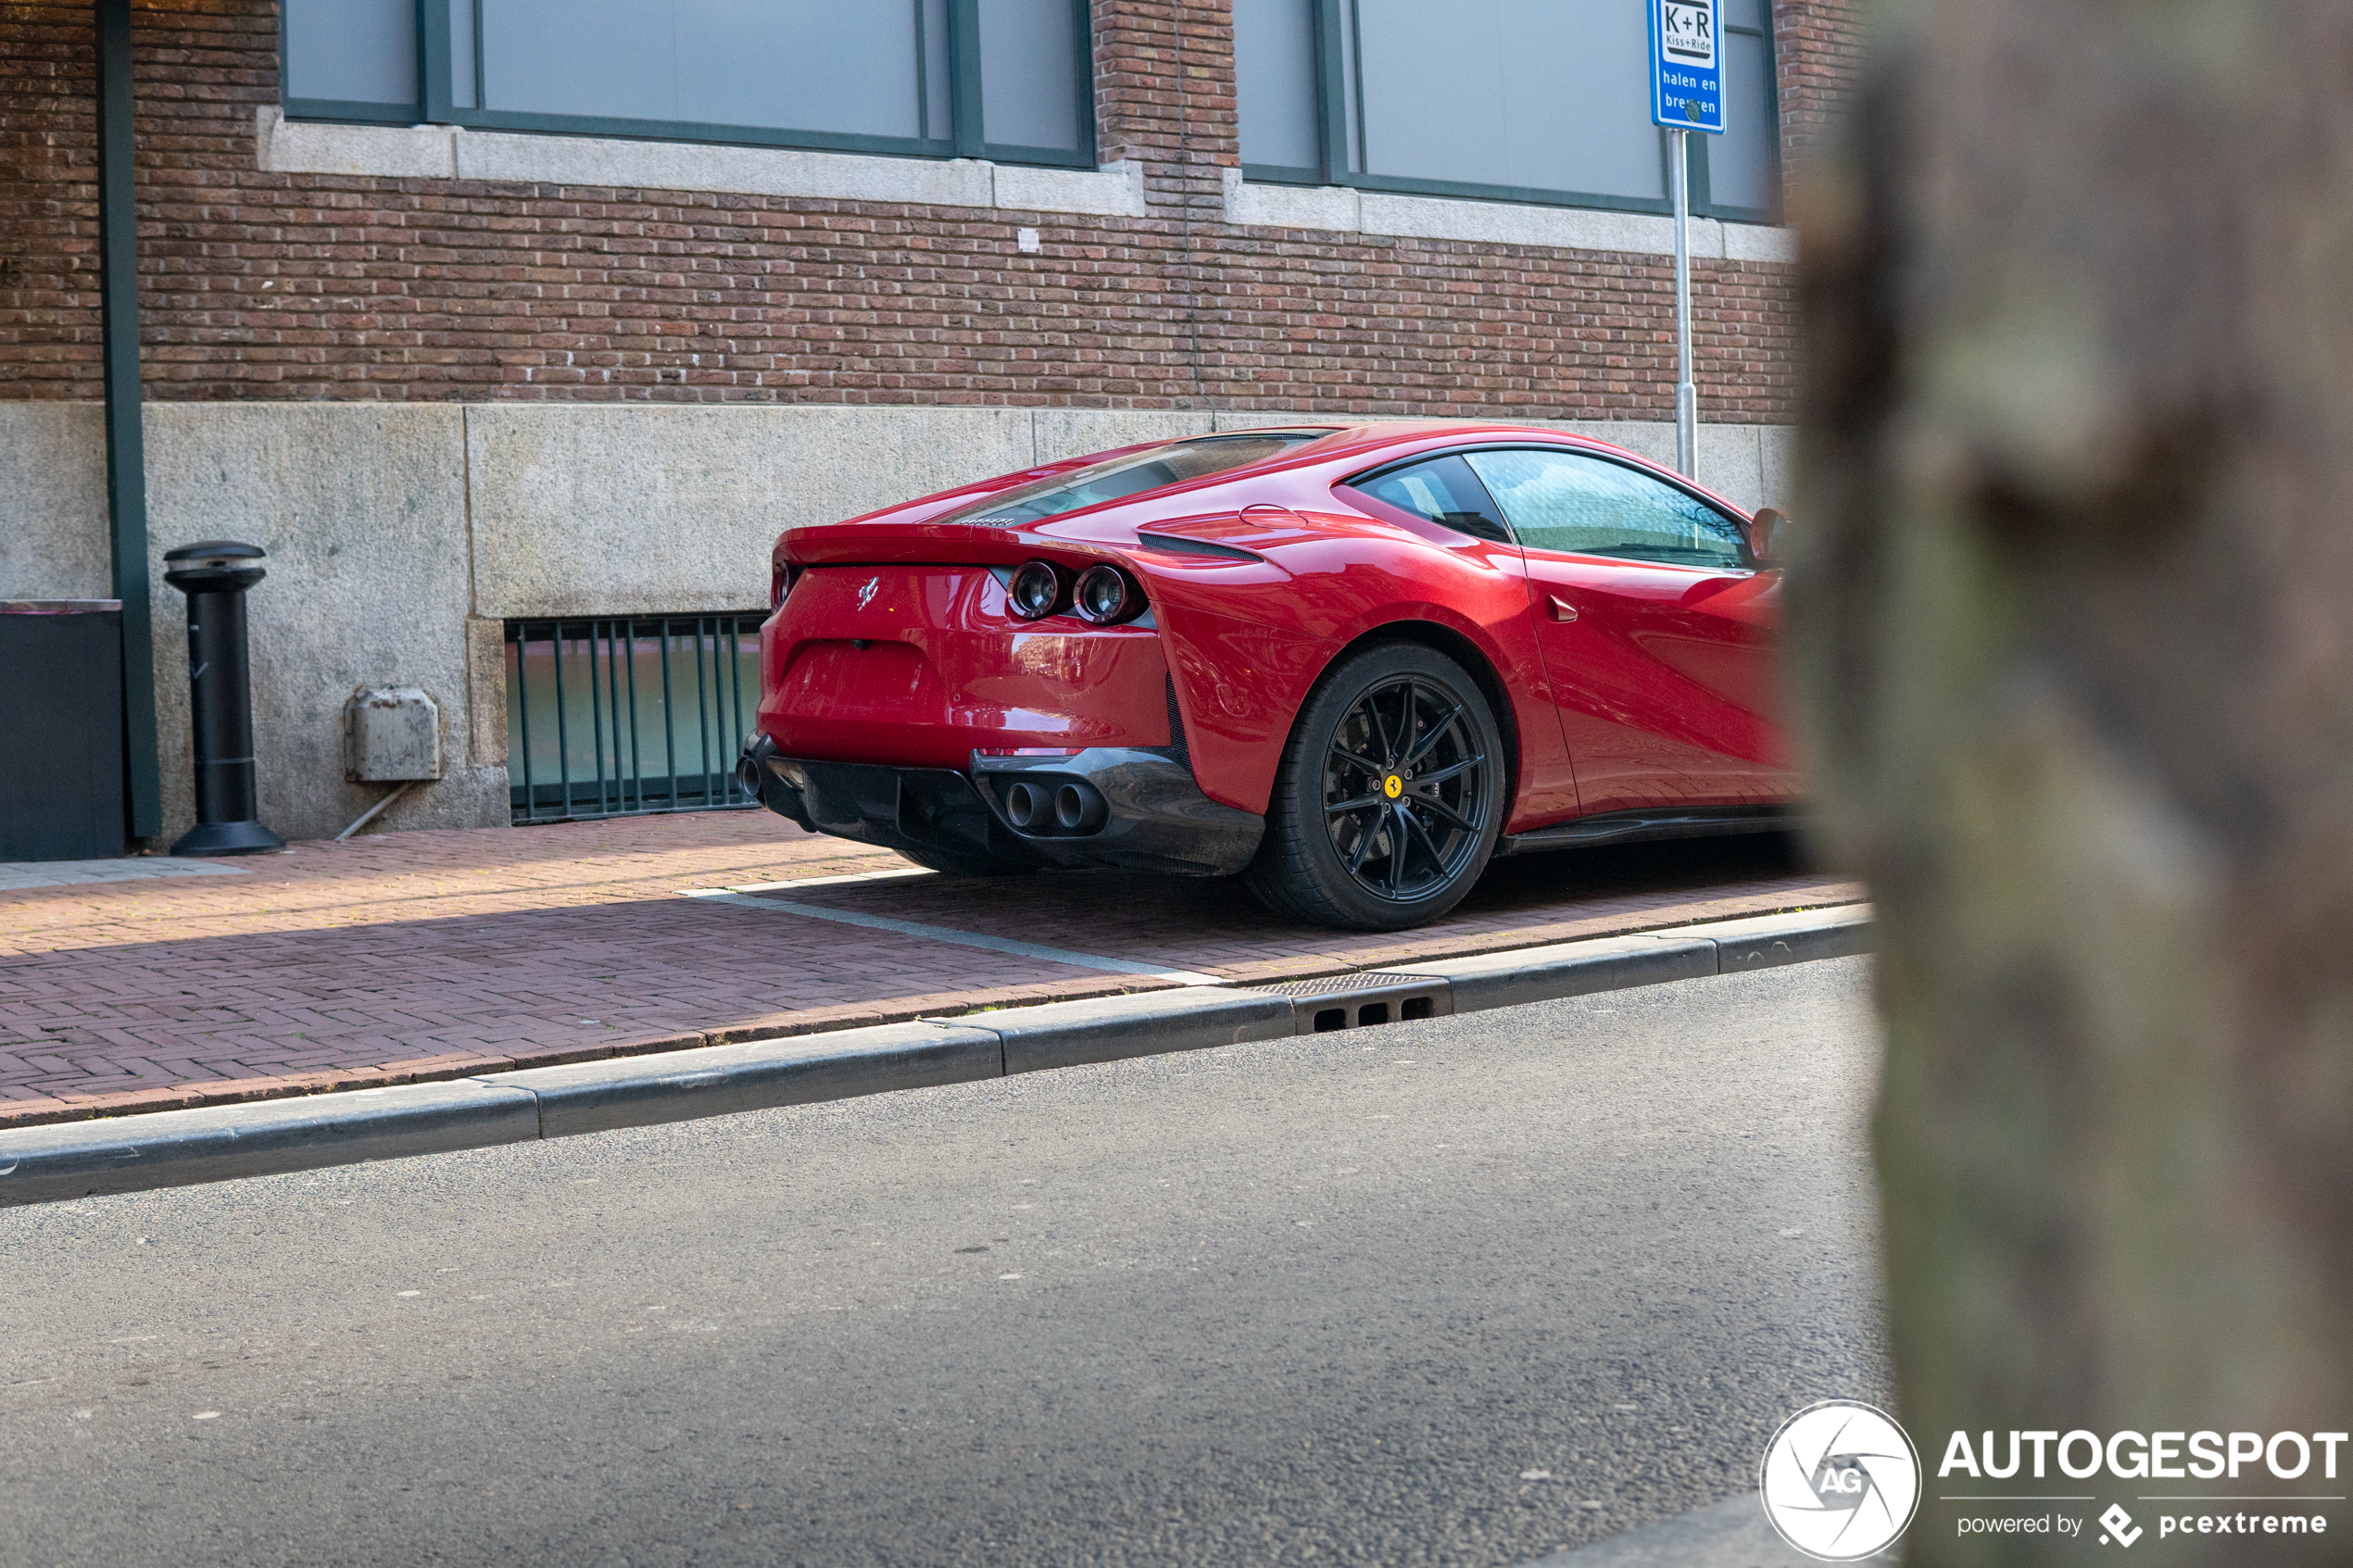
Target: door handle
(1562, 609)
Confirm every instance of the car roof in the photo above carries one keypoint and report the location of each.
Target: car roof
(1366, 441)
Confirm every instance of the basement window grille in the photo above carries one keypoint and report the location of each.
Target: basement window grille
(620, 717)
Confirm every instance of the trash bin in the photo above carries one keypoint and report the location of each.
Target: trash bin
(61, 783)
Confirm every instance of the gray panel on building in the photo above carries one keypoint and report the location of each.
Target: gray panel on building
(1740, 162)
(1274, 81)
(807, 65)
(1028, 65)
(355, 51)
(938, 107)
(463, 92)
(612, 58)
(1542, 94)
(794, 65)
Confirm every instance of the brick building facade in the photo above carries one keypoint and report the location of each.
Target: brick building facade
(878, 323)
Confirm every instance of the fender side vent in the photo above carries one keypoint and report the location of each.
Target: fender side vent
(1178, 544)
(1176, 726)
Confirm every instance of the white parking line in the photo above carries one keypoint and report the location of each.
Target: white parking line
(898, 874)
(965, 938)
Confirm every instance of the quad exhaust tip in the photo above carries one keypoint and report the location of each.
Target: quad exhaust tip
(1055, 806)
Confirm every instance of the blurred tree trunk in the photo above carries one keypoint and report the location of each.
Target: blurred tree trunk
(2073, 622)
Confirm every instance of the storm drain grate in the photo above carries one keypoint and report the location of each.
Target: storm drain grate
(1351, 1001)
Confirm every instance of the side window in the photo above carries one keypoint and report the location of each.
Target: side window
(1445, 491)
(1592, 507)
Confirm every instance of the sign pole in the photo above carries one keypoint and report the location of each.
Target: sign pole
(1686, 390)
(1687, 95)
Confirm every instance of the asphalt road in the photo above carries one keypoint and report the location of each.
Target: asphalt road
(1465, 1291)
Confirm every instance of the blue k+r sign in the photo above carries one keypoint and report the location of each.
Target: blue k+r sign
(1687, 79)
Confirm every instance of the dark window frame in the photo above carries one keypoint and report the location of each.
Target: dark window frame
(966, 138)
(1355, 485)
(1331, 119)
(1667, 477)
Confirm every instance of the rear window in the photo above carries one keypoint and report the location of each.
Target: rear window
(1443, 490)
(1130, 475)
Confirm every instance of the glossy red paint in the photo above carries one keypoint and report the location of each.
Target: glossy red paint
(1665, 679)
(917, 665)
(895, 644)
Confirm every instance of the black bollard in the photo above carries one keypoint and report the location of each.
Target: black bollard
(215, 577)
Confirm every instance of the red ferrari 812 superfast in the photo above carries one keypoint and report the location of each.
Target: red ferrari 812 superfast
(1348, 663)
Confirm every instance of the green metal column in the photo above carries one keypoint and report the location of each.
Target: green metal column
(126, 452)
(963, 76)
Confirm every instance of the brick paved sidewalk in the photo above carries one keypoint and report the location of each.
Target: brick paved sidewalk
(415, 955)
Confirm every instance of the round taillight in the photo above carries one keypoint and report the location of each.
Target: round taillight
(1104, 597)
(1036, 588)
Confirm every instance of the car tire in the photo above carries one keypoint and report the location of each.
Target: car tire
(958, 863)
(1390, 797)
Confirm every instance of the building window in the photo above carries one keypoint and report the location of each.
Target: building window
(1506, 100)
(1009, 80)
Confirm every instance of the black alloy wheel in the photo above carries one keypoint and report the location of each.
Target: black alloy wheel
(1390, 797)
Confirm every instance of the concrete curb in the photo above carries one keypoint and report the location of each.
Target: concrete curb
(182, 1147)
(595, 1096)
(1140, 1024)
(71, 1159)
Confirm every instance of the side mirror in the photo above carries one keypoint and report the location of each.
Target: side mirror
(1765, 535)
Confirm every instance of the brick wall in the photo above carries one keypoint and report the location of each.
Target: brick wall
(259, 286)
(48, 203)
(1816, 49)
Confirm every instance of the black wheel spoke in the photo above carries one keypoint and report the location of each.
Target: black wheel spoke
(1380, 730)
(1451, 770)
(1431, 803)
(1356, 761)
(1429, 847)
(1396, 854)
(1435, 733)
(1409, 741)
(1364, 846)
(1359, 804)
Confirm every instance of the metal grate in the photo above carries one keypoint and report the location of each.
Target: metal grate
(1346, 984)
(619, 717)
(1353, 1001)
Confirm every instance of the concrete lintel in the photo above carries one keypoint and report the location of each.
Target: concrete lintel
(442, 152)
(1757, 242)
(1291, 206)
(1344, 210)
(685, 165)
(1117, 190)
(391, 152)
